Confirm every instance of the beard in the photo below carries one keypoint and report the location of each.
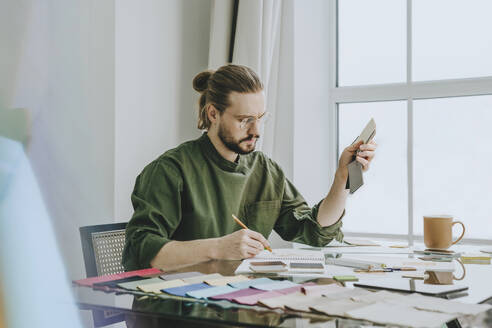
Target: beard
(237, 146)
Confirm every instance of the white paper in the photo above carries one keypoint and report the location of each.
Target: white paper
(278, 302)
(303, 303)
(377, 296)
(286, 255)
(397, 314)
(323, 289)
(337, 307)
(436, 304)
(347, 294)
(291, 254)
(350, 249)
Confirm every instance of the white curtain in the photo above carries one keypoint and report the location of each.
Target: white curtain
(264, 42)
(222, 12)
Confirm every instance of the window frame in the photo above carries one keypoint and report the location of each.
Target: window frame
(408, 91)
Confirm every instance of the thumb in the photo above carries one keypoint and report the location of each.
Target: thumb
(353, 147)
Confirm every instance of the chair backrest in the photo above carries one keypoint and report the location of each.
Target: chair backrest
(102, 246)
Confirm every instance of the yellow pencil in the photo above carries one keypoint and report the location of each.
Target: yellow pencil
(245, 227)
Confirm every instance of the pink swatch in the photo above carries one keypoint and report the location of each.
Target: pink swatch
(90, 281)
(253, 299)
(239, 293)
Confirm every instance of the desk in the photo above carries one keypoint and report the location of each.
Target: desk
(144, 311)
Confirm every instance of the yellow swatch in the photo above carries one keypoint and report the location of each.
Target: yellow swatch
(156, 288)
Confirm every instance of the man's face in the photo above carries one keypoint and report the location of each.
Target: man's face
(238, 128)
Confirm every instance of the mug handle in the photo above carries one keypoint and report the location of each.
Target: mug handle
(464, 271)
(462, 233)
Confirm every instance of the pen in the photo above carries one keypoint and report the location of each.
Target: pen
(371, 270)
(245, 227)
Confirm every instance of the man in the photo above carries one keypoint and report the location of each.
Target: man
(184, 200)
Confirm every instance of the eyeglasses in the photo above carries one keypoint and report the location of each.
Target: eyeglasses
(247, 122)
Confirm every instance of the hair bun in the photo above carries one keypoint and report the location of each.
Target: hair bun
(200, 82)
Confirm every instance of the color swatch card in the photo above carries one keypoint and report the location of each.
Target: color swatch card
(279, 301)
(114, 283)
(239, 293)
(158, 286)
(337, 307)
(202, 278)
(182, 290)
(132, 285)
(90, 281)
(303, 304)
(275, 285)
(355, 178)
(225, 280)
(181, 275)
(319, 290)
(251, 283)
(348, 293)
(253, 299)
(212, 291)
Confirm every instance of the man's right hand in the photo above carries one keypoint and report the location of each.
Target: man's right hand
(241, 244)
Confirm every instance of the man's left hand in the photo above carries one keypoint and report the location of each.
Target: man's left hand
(364, 156)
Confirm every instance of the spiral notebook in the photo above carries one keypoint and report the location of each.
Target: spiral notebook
(290, 254)
(285, 255)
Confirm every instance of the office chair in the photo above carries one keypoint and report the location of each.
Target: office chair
(102, 246)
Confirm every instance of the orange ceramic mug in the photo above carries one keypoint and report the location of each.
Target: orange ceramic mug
(438, 231)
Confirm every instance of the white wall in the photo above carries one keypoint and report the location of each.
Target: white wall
(108, 84)
(65, 77)
(160, 47)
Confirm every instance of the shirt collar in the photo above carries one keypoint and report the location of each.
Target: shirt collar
(211, 152)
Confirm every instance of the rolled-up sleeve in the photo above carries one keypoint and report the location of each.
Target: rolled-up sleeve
(298, 222)
(156, 200)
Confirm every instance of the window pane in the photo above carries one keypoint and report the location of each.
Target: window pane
(380, 205)
(371, 41)
(451, 39)
(452, 161)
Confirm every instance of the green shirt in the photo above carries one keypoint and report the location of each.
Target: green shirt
(190, 192)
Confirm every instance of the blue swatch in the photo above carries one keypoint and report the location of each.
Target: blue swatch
(182, 290)
(212, 291)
